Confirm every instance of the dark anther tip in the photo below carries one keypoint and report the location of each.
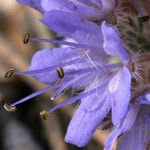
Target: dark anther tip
(9, 73)
(8, 108)
(26, 38)
(44, 115)
(60, 72)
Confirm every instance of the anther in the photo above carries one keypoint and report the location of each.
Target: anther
(8, 108)
(9, 73)
(26, 38)
(60, 72)
(44, 115)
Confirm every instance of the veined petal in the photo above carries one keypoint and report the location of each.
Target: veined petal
(84, 123)
(85, 9)
(113, 44)
(96, 100)
(82, 31)
(119, 88)
(50, 57)
(137, 138)
(36, 4)
(49, 5)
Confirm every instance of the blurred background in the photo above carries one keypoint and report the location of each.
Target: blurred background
(24, 129)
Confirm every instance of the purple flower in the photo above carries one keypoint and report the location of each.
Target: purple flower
(86, 65)
(36, 4)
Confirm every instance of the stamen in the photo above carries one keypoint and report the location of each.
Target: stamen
(35, 94)
(99, 69)
(9, 108)
(60, 72)
(44, 115)
(26, 38)
(65, 86)
(9, 73)
(77, 45)
(47, 69)
(76, 98)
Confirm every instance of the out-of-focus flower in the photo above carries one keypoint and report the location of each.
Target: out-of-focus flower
(86, 9)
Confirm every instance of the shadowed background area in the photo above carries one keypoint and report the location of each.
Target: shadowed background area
(24, 129)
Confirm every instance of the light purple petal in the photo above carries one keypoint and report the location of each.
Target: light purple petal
(138, 138)
(50, 57)
(113, 44)
(99, 96)
(126, 125)
(86, 9)
(119, 88)
(36, 4)
(82, 31)
(84, 122)
(78, 8)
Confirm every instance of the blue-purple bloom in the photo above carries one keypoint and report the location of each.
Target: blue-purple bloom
(98, 64)
(107, 85)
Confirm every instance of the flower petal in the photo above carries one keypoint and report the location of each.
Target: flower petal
(86, 9)
(82, 31)
(119, 88)
(36, 4)
(84, 123)
(49, 5)
(78, 8)
(51, 57)
(126, 125)
(113, 44)
(137, 138)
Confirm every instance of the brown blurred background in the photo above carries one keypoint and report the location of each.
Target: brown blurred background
(24, 129)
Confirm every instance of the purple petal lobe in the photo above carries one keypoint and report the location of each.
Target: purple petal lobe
(50, 57)
(119, 88)
(82, 31)
(113, 44)
(36, 4)
(84, 123)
